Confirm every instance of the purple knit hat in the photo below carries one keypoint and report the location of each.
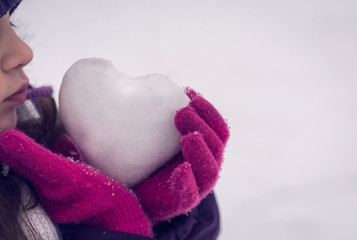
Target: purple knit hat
(8, 5)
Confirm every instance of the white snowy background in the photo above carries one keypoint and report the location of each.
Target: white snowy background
(282, 72)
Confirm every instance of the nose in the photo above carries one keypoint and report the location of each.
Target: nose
(17, 55)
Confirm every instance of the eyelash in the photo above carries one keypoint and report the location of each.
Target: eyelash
(12, 25)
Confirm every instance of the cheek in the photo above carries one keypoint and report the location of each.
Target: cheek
(4, 88)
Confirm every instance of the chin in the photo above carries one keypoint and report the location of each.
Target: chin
(8, 122)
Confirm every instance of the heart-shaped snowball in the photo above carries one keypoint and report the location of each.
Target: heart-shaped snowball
(123, 126)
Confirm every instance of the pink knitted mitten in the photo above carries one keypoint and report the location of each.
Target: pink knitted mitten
(73, 192)
(180, 185)
(66, 147)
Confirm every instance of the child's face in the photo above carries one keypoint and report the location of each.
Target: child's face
(14, 55)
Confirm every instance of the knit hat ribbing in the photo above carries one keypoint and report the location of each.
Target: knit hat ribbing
(8, 5)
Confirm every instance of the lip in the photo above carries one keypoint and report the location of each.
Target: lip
(19, 97)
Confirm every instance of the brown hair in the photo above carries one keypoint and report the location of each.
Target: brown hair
(45, 131)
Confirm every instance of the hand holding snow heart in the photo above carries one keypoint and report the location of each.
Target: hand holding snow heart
(192, 173)
(128, 129)
(124, 126)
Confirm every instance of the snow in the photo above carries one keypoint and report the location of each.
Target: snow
(124, 126)
(283, 73)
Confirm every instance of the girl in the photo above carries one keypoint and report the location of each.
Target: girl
(88, 204)
(20, 215)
